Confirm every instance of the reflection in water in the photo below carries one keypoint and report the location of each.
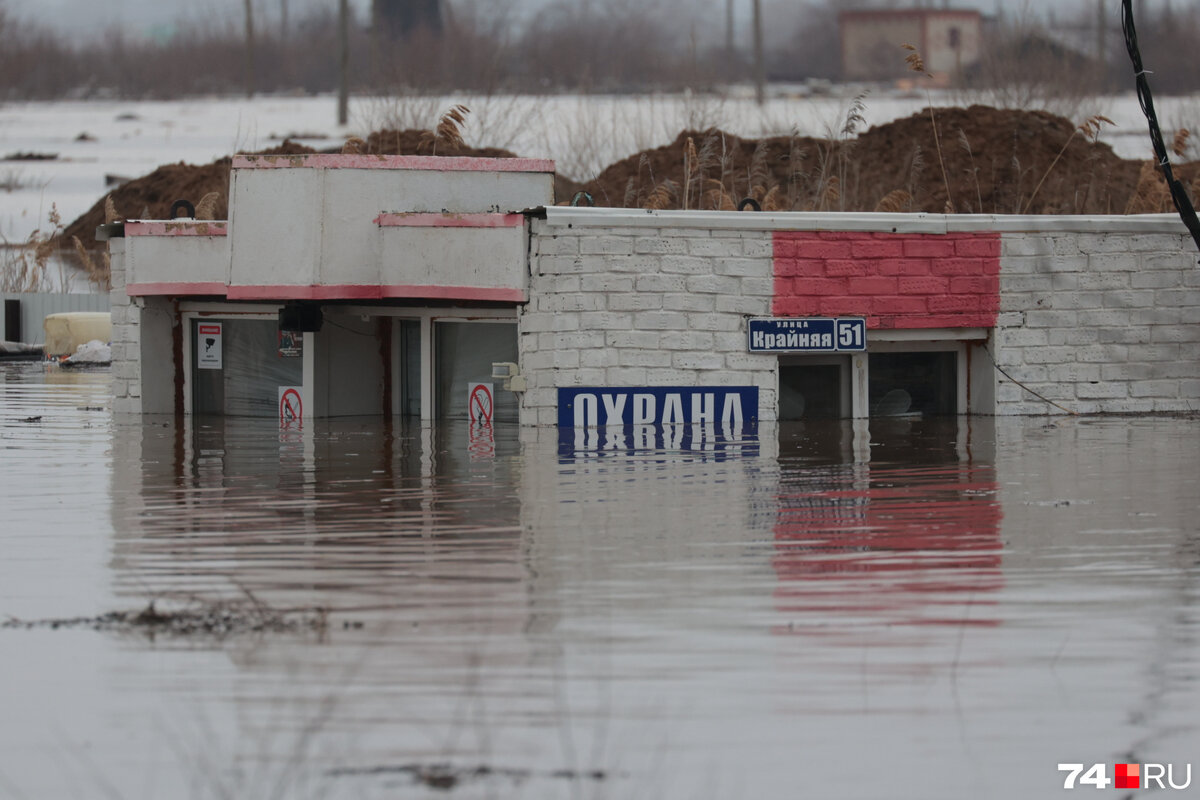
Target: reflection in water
(713, 442)
(892, 541)
(686, 612)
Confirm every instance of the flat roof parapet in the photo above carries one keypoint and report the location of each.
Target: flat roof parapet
(581, 216)
(426, 163)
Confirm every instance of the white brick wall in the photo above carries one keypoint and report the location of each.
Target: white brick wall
(1098, 322)
(646, 307)
(126, 338)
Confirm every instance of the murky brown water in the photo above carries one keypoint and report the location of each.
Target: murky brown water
(924, 609)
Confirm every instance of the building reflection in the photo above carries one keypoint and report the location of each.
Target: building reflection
(906, 537)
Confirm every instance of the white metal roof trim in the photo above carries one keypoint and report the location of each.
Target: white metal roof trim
(563, 216)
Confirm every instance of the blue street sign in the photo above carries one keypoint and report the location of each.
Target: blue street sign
(808, 335)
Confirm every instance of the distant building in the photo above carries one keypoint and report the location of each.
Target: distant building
(398, 18)
(949, 40)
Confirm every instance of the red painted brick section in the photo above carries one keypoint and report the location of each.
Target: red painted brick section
(901, 304)
(845, 306)
(784, 248)
(900, 281)
(872, 286)
(799, 266)
(958, 266)
(798, 307)
(925, 286)
(820, 249)
(982, 246)
(930, 246)
(904, 266)
(843, 267)
(823, 287)
(984, 286)
(876, 248)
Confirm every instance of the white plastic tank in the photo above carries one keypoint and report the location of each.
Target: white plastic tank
(67, 331)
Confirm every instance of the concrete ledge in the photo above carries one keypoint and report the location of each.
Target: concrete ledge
(181, 227)
(175, 289)
(423, 220)
(582, 217)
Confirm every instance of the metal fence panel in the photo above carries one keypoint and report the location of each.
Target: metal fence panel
(35, 306)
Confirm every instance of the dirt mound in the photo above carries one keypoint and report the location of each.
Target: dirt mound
(996, 162)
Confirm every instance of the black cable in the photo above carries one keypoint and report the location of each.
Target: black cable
(1182, 203)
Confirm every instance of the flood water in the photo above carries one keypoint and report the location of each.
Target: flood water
(944, 608)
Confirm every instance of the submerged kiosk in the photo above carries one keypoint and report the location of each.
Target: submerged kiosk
(399, 285)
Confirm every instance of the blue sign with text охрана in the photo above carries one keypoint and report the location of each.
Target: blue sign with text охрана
(588, 407)
(808, 335)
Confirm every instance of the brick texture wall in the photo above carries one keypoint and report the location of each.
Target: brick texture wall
(894, 280)
(621, 307)
(1098, 322)
(1094, 314)
(126, 338)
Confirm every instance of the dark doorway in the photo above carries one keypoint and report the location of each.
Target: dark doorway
(912, 384)
(811, 391)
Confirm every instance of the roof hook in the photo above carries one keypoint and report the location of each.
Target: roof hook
(186, 206)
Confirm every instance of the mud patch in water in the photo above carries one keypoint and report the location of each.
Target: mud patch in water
(210, 619)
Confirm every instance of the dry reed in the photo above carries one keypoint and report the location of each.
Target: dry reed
(1180, 145)
(917, 64)
(965, 144)
(1151, 195)
(691, 168)
(895, 202)
(661, 197)
(1090, 128)
(207, 207)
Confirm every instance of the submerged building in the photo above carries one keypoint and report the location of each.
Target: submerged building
(951, 40)
(454, 288)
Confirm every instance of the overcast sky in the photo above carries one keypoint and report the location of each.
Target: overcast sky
(147, 16)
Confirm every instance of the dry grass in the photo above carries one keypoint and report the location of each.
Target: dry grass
(895, 202)
(917, 64)
(1151, 195)
(449, 131)
(1090, 128)
(27, 267)
(98, 274)
(1180, 144)
(965, 144)
(207, 207)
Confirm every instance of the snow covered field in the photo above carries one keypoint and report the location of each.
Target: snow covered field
(582, 134)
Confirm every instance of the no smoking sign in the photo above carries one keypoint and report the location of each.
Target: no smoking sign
(291, 407)
(480, 405)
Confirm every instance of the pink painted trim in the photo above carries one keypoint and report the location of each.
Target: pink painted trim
(189, 227)
(328, 292)
(368, 292)
(418, 220)
(455, 293)
(140, 289)
(433, 163)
